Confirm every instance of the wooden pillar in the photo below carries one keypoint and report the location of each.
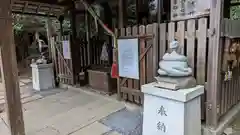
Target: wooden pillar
(9, 71)
(87, 25)
(137, 10)
(143, 12)
(122, 13)
(52, 49)
(36, 36)
(73, 21)
(74, 46)
(227, 8)
(61, 19)
(108, 19)
(214, 64)
(159, 11)
(49, 35)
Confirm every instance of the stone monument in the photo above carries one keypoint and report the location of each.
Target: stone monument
(172, 106)
(174, 71)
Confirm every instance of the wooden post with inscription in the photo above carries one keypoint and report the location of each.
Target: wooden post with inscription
(9, 70)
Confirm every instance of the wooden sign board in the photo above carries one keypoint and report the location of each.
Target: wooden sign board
(128, 56)
(188, 9)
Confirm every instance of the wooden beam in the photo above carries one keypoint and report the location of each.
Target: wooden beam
(25, 7)
(43, 15)
(214, 63)
(9, 71)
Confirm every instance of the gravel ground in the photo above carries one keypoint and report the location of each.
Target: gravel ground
(125, 122)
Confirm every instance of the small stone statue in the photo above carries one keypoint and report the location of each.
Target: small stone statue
(174, 70)
(174, 64)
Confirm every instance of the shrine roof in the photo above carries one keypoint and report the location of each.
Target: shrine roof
(47, 7)
(38, 7)
(55, 2)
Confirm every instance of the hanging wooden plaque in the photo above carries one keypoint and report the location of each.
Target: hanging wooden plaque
(188, 9)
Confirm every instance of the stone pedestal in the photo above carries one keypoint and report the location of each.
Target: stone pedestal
(42, 76)
(168, 112)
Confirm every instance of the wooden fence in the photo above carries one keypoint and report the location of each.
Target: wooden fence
(193, 38)
(96, 45)
(229, 93)
(129, 88)
(63, 66)
(83, 56)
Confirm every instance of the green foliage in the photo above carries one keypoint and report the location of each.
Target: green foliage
(17, 27)
(22, 22)
(235, 10)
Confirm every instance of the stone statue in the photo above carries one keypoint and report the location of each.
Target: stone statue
(174, 64)
(174, 70)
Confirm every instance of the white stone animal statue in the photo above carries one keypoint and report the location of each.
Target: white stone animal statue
(174, 64)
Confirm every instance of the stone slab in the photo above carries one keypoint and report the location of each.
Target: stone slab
(47, 131)
(65, 113)
(25, 80)
(48, 113)
(182, 95)
(82, 116)
(175, 83)
(114, 133)
(48, 100)
(125, 121)
(3, 128)
(93, 129)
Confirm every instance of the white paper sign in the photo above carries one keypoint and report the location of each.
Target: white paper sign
(128, 56)
(66, 49)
